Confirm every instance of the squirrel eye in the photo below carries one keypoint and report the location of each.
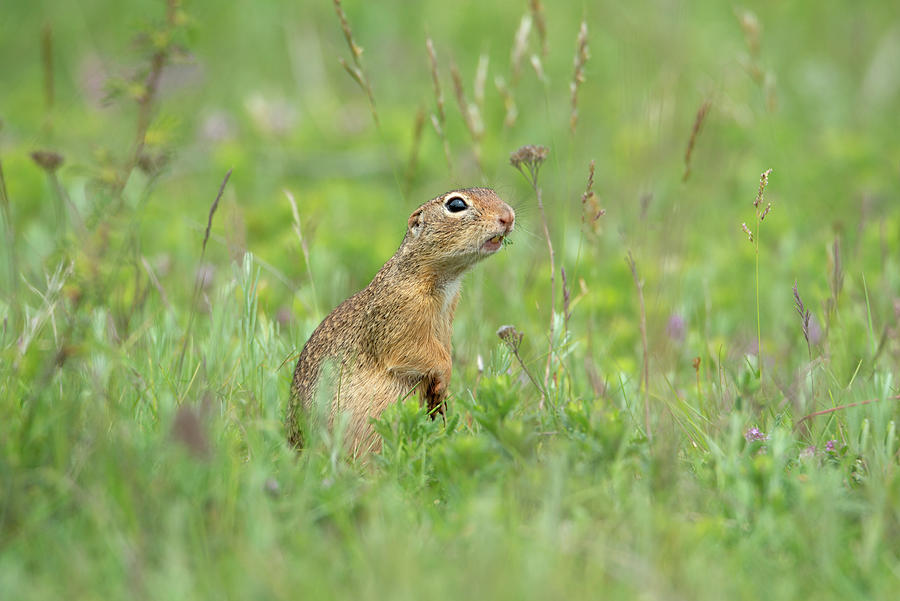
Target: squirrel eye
(456, 204)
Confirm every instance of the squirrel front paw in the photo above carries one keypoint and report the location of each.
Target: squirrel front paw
(435, 395)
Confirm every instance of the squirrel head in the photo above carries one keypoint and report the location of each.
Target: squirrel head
(453, 231)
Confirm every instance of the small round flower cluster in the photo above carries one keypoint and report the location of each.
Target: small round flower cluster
(811, 450)
(753, 434)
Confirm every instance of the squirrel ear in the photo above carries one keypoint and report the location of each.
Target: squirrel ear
(416, 223)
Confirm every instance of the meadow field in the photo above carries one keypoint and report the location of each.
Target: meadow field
(698, 392)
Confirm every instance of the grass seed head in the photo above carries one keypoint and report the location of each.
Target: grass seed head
(480, 79)
(763, 182)
(590, 207)
(520, 45)
(509, 101)
(582, 54)
(511, 337)
(537, 13)
(803, 312)
(695, 131)
(47, 160)
(435, 80)
(529, 157)
(538, 68)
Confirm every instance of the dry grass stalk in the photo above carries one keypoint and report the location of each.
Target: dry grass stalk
(530, 158)
(440, 132)
(418, 128)
(598, 386)
(645, 200)
(750, 26)
(439, 119)
(695, 131)
(198, 279)
(520, 46)
(645, 372)
(355, 50)
(12, 257)
(590, 207)
(567, 312)
(151, 275)
(751, 29)
(480, 79)
(582, 54)
(212, 211)
(470, 114)
(804, 314)
(538, 68)
(537, 13)
(303, 246)
(835, 282)
(695, 363)
(463, 104)
(841, 408)
(765, 79)
(356, 70)
(770, 90)
(509, 102)
(837, 272)
(435, 80)
(47, 62)
(760, 216)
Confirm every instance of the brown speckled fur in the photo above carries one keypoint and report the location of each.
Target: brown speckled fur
(393, 337)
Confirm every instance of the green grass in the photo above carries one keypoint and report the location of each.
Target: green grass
(127, 472)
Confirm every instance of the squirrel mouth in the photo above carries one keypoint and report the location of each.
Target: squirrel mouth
(493, 244)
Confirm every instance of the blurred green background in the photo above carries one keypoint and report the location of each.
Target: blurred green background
(119, 329)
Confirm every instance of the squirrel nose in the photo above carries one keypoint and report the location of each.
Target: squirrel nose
(507, 217)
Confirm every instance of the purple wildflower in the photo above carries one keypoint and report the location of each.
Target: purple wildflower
(815, 331)
(829, 446)
(675, 328)
(754, 434)
(808, 452)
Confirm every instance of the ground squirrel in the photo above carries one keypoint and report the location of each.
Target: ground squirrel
(393, 337)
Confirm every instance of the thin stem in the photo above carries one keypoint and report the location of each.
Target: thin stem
(47, 61)
(758, 327)
(513, 339)
(552, 254)
(840, 408)
(531, 157)
(643, 323)
(145, 103)
(197, 280)
(528, 373)
(304, 247)
(11, 251)
(66, 206)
